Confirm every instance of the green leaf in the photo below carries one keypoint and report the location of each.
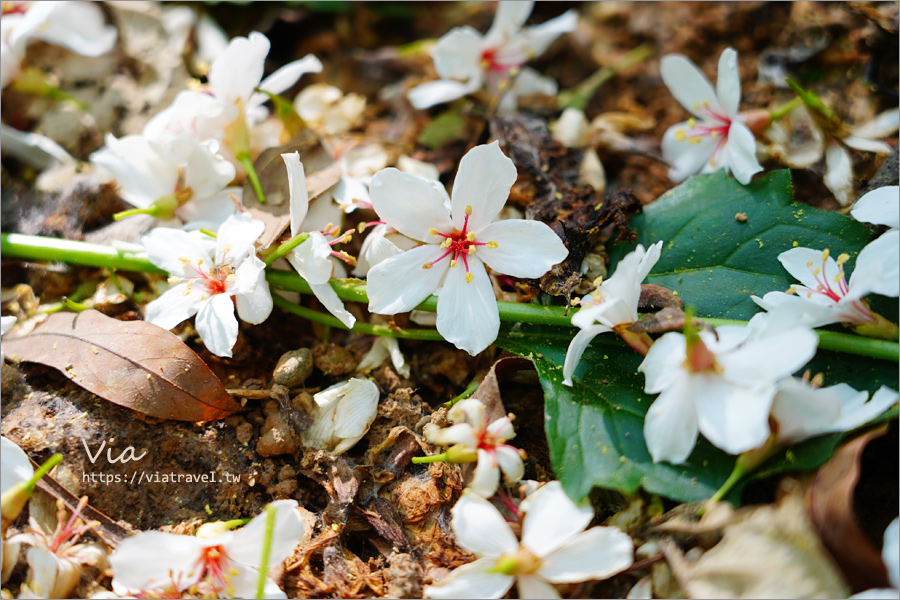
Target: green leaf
(715, 261)
(443, 129)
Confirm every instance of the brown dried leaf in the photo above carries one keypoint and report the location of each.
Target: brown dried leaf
(829, 503)
(766, 552)
(488, 391)
(133, 364)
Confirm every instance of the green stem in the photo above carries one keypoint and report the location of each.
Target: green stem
(736, 475)
(779, 112)
(32, 247)
(579, 96)
(470, 389)
(236, 523)
(244, 159)
(266, 552)
(285, 247)
(417, 460)
(43, 470)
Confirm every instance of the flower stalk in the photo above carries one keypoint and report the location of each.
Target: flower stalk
(266, 551)
(32, 247)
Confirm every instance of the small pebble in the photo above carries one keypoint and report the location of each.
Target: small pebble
(294, 368)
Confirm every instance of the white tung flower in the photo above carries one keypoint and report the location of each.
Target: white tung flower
(721, 387)
(466, 60)
(457, 246)
(76, 26)
(880, 206)
(825, 296)
(14, 464)
(473, 438)
(183, 178)
(555, 548)
(612, 306)
(865, 137)
(219, 562)
(206, 279)
(717, 138)
(312, 258)
(342, 415)
(327, 110)
(802, 410)
(234, 78)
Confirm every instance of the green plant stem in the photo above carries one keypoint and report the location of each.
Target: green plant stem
(779, 112)
(32, 247)
(418, 460)
(579, 96)
(736, 475)
(247, 163)
(266, 552)
(285, 248)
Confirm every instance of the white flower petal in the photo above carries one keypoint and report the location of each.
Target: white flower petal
(857, 409)
(480, 528)
(91, 37)
(457, 55)
(662, 365)
(483, 181)
(728, 86)
(510, 463)
(235, 239)
(285, 77)
(237, 72)
(297, 188)
(740, 153)
(217, 325)
(409, 204)
(245, 580)
(35, 150)
(530, 586)
(890, 552)
(175, 305)
(173, 250)
(577, 347)
(597, 553)
(839, 173)
(765, 361)
(553, 519)
(877, 269)
(684, 157)
(539, 37)
(880, 206)
(425, 95)
(525, 249)
(867, 145)
(153, 560)
(460, 433)
(733, 418)
(800, 262)
(689, 85)
(571, 129)
(399, 284)
(802, 411)
(508, 20)
(204, 171)
(357, 409)
(486, 476)
(256, 306)
(139, 167)
(247, 543)
(210, 212)
(474, 580)
(467, 313)
(625, 286)
(330, 300)
(670, 427)
(529, 82)
(311, 259)
(881, 126)
(14, 465)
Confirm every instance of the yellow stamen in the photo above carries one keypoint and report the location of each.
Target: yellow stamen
(691, 123)
(174, 279)
(816, 271)
(694, 141)
(453, 264)
(713, 134)
(469, 210)
(471, 249)
(433, 232)
(825, 254)
(844, 257)
(680, 135)
(491, 244)
(469, 278)
(427, 266)
(470, 236)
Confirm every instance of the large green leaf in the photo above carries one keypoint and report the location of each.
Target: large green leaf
(715, 261)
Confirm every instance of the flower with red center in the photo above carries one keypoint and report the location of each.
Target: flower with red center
(825, 295)
(206, 275)
(466, 60)
(720, 385)
(457, 246)
(717, 138)
(216, 563)
(473, 439)
(555, 547)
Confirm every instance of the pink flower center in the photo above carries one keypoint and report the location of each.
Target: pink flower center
(14, 8)
(835, 289)
(491, 63)
(214, 568)
(458, 246)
